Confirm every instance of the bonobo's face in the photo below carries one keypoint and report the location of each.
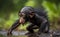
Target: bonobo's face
(24, 16)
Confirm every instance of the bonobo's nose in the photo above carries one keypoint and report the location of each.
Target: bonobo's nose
(21, 20)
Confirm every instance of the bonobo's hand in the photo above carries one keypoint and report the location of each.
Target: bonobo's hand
(9, 33)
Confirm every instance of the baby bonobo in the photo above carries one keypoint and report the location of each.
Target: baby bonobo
(36, 18)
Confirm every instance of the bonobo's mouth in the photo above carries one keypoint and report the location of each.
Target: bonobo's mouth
(21, 20)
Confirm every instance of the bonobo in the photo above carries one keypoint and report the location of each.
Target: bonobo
(37, 18)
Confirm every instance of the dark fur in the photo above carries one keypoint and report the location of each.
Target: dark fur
(38, 20)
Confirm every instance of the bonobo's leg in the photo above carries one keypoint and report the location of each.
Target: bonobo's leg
(47, 27)
(31, 27)
(42, 27)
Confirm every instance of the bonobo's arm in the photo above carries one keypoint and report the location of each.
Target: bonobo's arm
(14, 26)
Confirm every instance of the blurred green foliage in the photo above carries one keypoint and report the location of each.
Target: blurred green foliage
(9, 10)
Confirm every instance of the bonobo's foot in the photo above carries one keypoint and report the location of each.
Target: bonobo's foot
(37, 34)
(46, 31)
(29, 33)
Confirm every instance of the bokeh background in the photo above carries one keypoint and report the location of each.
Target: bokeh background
(9, 12)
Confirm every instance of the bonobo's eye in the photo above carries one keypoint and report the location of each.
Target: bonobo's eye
(22, 14)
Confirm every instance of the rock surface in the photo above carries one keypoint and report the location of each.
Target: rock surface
(22, 33)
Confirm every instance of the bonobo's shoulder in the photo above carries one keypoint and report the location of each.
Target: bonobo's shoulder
(38, 17)
(40, 10)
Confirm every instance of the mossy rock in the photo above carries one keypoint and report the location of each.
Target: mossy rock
(41, 35)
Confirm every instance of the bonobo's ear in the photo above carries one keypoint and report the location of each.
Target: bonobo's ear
(31, 13)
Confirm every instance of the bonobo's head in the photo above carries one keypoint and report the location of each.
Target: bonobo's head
(26, 13)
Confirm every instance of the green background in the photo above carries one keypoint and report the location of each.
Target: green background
(9, 11)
